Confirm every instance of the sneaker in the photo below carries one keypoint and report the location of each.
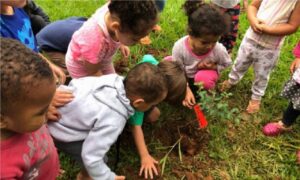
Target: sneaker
(253, 106)
(225, 86)
(274, 129)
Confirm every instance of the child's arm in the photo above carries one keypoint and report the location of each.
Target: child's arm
(98, 142)
(251, 14)
(147, 161)
(286, 28)
(245, 5)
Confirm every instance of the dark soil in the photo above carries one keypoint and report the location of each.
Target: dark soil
(167, 133)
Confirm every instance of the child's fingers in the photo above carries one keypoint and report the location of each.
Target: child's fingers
(155, 170)
(141, 170)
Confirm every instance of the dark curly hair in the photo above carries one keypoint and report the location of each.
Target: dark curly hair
(136, 16)
(205, 19)
(145, 81)
(21, 69)
(176, 79)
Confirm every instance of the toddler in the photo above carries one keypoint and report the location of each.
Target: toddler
(92, 122)
(116, 24)
(176, 83)
(27, 87)
(270, 21)
(199, 53)
(291, 91)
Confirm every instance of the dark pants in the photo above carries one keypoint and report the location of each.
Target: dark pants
(290, 115)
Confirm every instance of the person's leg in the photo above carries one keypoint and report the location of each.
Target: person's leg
(208, 78)
(229, 39)
(241, 65)
(290, 115)
(263, 64)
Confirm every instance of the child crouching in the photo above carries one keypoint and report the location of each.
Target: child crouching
(92, 122)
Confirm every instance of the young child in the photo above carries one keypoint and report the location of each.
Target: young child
(27, 87)
(270, 21)
(232, 8)
(199, 53)
(116, 24)
(92, 122)
(291, 91)
(176, 83)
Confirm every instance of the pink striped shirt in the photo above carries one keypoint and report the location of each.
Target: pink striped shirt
(91, 43)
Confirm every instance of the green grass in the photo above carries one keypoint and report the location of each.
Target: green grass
(237, 149)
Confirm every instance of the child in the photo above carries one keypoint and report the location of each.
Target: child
(232, 8)
(176, 82)
(270, 21)
(199, 53)
(27, 87)
(291, 91)
(117, 22)
(91, 123)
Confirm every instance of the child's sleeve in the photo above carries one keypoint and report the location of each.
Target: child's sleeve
(95, 147)
(177, 53)
(87, 43)
(224, 60)
(136, 119)
(297, 50)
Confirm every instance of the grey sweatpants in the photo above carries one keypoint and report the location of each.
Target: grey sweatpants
(263, 61)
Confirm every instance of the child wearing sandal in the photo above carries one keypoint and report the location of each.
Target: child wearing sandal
(199, 53)
(291, 91)
(27, 87)
(270, 22)
(115, 25)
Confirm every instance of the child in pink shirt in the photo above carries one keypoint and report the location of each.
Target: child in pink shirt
(199, 53)
(114, 25)
(27, 87)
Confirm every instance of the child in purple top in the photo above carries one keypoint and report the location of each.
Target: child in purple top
(199, 53)
(115, 25)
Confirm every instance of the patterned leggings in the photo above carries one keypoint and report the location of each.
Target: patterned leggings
(263, 61)
(229, 39)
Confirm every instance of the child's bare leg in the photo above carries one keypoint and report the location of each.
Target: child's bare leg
(83, 175)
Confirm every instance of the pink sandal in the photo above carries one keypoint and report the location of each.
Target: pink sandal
(274, 129)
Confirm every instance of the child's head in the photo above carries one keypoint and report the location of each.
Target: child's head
(145, 86)
(132, 20)
(206, 23)
(27, 88)
(176, 79)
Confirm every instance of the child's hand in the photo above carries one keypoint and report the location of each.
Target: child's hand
(189, 100)
(61, 97)
(295, 64)
(125, 51)
(207, 65)
(58, 73)
(148, 166)
(256, 25)
(119, 177)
